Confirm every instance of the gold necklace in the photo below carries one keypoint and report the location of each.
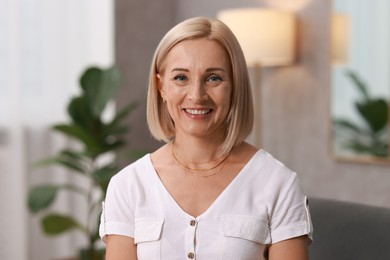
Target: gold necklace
(176, 157)
(202, 175)
(195, 169)
(212, 174)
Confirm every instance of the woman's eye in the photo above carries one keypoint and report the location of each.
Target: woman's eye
(214, 78)
(180, 78)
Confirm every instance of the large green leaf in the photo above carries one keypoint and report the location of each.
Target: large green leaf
(41, 197)
(63, 161)
(374, 112)
(118, 130)
(100, 86)
(111, 81)
(55, 224)
(359, 84)
(74, 155)
(77, 132)
(348, 125)
(379, 150)
(90, 83)
(93, 146)
(80, 112)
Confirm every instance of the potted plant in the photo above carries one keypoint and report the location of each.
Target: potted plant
(371, 138)
(96, 138)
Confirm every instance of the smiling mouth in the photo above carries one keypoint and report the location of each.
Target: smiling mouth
(198, 111)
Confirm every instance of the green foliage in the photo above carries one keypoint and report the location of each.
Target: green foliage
(55, 224)
(370, 138)
(41, 197)
(95, 255)
(374, 113)
(94, 82)
(96, 138)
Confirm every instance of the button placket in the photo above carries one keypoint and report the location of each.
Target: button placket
(190, 240)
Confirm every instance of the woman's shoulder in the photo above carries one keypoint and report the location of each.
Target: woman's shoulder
(160, 158)
(269, 169)
(274, 164)
(243, 153)
(247, 153)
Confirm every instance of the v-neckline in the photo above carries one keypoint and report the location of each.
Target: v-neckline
(215, 202)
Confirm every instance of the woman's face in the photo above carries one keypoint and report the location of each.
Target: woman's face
(196, 83)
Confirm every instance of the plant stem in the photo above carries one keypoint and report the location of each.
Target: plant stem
(90, 206)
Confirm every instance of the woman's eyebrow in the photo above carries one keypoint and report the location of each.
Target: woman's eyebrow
(207, 70)
(180, 69)
(215, 69)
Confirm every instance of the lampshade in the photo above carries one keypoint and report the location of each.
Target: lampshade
(339, 38)
(266, 36)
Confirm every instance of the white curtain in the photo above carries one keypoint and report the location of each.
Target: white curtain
(44, 47)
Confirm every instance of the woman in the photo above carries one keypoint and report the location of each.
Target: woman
(206, 194)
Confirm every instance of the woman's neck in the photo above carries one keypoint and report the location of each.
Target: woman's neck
(194, 150)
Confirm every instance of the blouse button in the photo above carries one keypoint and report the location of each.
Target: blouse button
(192, 222)
(191, 255)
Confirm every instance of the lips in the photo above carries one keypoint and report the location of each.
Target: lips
(197, 111)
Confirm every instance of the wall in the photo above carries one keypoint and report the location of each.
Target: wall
(139, 25)
(295, 98)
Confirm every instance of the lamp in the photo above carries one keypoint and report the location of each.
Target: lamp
(267, 38)
(340, 28)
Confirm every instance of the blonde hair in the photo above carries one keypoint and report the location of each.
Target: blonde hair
(240, 117)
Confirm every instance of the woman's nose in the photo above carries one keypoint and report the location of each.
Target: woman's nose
(197, 92)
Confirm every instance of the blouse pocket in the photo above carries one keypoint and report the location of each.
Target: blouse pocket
(147, 237)
(244, 237)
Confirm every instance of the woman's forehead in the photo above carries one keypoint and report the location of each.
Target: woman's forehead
(197, 53)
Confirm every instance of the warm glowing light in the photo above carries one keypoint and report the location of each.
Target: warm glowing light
(339, 38)
(267, 36)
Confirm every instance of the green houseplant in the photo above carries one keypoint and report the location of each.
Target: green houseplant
(371, 137)
(95, 138)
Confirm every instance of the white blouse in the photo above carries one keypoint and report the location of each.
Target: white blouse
(264, 204)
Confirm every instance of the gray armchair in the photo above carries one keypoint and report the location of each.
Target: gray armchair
(349, 231)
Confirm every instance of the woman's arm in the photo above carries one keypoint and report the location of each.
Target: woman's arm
(291, 249)
(120, 248)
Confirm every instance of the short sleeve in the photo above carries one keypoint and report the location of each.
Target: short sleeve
(291, 216)
(117, 217)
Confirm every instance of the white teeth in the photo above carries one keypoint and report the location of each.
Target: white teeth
(197, 112)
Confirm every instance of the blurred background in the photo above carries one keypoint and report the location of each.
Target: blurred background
(47, 44)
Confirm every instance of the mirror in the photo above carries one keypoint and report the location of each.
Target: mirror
(360, 84)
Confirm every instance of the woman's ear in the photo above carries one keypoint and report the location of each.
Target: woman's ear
(160, 86)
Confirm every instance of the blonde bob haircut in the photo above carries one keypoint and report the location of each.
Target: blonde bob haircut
(239, 121)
